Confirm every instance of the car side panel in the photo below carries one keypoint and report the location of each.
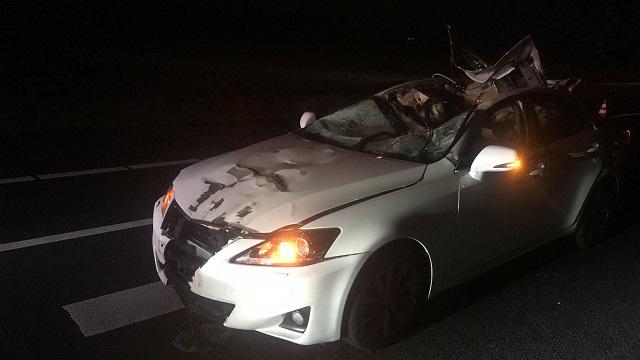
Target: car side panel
(426, 211)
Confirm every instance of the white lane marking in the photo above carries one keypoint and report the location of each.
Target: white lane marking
(81, 172)
(73, 235)
(17, 179)
(622, 83)
(163, 163)
(122, 308)
(97, 171)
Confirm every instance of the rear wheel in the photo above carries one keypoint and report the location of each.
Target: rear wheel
(594, 221)
(386, 295)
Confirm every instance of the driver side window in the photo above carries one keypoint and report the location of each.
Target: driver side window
(553, 121)
(502, 125)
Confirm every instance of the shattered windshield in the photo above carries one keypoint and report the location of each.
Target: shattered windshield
(417, 122)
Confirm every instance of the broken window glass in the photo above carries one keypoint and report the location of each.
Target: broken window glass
(352, 124)
(417, 122)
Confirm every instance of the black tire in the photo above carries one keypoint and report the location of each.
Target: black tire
(593, 225)
(385, 297)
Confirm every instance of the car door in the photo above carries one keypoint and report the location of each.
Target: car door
(564, 163)
(489, 211)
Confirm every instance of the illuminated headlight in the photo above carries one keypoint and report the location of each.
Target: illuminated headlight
(166, 199)
(290, 248)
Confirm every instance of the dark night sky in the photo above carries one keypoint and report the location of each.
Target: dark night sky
(91, 65)
(266, 27)
(58, 57)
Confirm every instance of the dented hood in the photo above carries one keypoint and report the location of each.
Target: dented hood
(283, 181)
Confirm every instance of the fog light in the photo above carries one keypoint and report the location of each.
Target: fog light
(296, 320)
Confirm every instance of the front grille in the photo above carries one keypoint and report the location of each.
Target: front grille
(192, 242)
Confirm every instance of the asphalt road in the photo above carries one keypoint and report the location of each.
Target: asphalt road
(557, 302)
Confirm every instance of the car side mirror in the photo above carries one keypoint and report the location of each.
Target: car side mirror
(306, 119)
(494, 158)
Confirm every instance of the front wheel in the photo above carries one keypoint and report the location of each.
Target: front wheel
(594, 221)
(386, 296)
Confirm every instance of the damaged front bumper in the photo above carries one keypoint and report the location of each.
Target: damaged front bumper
(260, 298)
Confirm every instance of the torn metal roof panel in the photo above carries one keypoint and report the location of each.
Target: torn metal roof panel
(518, 68)
(523, 53)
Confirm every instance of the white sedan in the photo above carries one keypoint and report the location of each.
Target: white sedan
(341, 229)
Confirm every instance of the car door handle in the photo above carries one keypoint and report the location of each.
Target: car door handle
(592, 150)
(537, 170)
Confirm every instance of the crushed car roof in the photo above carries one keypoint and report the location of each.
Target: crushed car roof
(518, 69)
